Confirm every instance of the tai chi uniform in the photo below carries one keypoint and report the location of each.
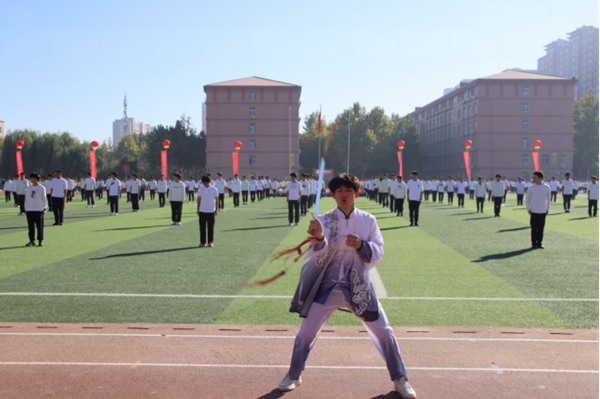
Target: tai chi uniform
(35, 205)
(337, 276)
(538, 202)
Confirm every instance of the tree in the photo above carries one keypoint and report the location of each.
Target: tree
(585, 136)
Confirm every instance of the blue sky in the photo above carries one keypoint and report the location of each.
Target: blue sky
(66, 65)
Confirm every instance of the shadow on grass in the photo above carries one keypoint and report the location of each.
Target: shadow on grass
(504, 255)
(144, 253)
(515, 229)
(22, 246)
(395, 228)
(483, 218)
(582, 218)
(132, 228)
(9, 228)
(260, 228)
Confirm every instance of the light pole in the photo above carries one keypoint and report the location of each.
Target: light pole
(290, 136)
(348, 161)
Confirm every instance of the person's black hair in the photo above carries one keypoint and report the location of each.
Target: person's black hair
(205, 179)
(567, 174)
(89, 173)
(344, 180)
(498, 176)
(414, 172)
(58, 170)
(34, 175)
(293, 174)
(449, 177)
(177, 175)
(219, 174)
(539, 174)
(593, 177)
(114, 174)
(134, 175)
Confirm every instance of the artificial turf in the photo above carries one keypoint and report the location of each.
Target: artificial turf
(456, 253)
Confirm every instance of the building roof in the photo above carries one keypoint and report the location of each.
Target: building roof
(520, 75)
(252, 81)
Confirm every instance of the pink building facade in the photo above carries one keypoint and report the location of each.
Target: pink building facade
(263, 115)
(502, 115)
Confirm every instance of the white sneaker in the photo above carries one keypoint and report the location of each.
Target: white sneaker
(287, 384)
(297, 224)
(88, 206)
(404, 389)
(291, 224)
(93, 206)
(117, 214)
(174, 224)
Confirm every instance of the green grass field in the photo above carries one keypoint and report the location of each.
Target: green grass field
(459, 268)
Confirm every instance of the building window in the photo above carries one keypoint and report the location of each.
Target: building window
(253, 128)
(525, 159)
(253, 112)
(525, 107)
(252, 145)
(525, 90)
(563, 161)
(525, 125)
(252, 96)
(545, 159)
(525, 142)
(252, 160)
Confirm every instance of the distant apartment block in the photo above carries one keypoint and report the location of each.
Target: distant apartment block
(576, 57)
(502, 115)
(263, 114)
(2, 132)
(128, 125)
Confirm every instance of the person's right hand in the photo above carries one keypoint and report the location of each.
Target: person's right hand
(315, 228)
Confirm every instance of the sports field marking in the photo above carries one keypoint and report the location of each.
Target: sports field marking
(577, 341)
(378, 283)
(136, 364)
(399, 298)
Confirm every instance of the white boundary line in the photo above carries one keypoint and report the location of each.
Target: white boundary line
(471, 339)
(378, 283)
(286, 297)
(139, 364)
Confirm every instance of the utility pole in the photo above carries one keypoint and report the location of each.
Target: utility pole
(348, 162)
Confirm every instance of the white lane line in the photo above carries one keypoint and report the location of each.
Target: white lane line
(287, 297)
(578, 341)
(287, 366)
(378, 283)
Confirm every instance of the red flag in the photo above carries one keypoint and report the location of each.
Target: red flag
(536, 161)
(319, 120)
(400, 161)
(467, 164)
(93, 163)
(235, 162)
(19, 163)
(163, 163)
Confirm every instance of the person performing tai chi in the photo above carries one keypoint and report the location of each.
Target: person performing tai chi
(346, 243)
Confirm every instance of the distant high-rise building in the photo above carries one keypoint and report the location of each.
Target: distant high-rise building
(574, 58)
(128, 125)
(2, 130)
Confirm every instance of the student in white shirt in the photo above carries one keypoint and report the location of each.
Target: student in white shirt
(426, 188)
(304, 197)
(498, 194)
(460, 192)
(35, 207)
(135, 187)
(293, 192)
(260, 185)
(245, 189)
(441, 189)
(450, 190)
(414, 191)
(489, 188)
(434, 190)
(399, 195)
(567, 191)
(392, 191)
(128, 188)
(221, 184)
(553, 188)
(208, 201)
(538, 205)
(89, 184)
(14, 190)
(472, 184)
(252, 188)
(7, 189)
(189, 188)
(113, 188)
(59, 195)
(176, 198)
(152, 186)
(480, 189)
(22, 185)
(575, 189)
(161, 188)
(275, 187)
(236, 188)
(521, 191)
(592, 194)
(383, 200)
(505, 183)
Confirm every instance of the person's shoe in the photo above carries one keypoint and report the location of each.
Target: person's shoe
(201, 245)
(174, 224)
(178, 223)
(417, 224)
(61, 223)
(412, 224)
(88, 206)
(534, 247)
(287, 384)
(30, 244)
(291, 224)
(540, 246)
(398, 215)
(41, 244)
(210, 244)
(297, 224)
(117, 214)
(55, 224)
(93, 206)
(404, 389)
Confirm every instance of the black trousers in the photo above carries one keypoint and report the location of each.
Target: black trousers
(128, 196)
(399, 206)
(58, 207)
(392, 203)
(480, 202)
(380, 198)
(114, 203)
(89, 195)
(489, 195)
(15, 198)
(293, 205)
(461, 199)
(519, 199)
(152, 194)
(7, 195)
(207, 224)
(450, 197)
(413, 210)
(22, 202)
(592, 206)
(236, 199)
(426, 194)
(35, 220)
(303, 204)
(504, 196)
(553, 195)
(245, 197)
(143, 194)
(161, 199)
(135, 201)
(434, 196)
(176, 207)
(82, 191)
(537, 222)
(471, 194)
(385, 199)
(440, 197)
(191, 195)
(49, 201)
(222, 201)
(252, 195)
(566, 201)
(575, 192)
(497, 205)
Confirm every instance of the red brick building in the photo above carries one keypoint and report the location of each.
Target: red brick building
(503, 115)
(264, 115)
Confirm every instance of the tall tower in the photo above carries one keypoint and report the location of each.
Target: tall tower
(125, 127)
